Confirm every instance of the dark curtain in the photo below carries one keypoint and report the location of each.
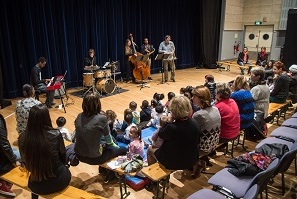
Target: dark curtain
(64, 30)
(209, 31)
(290, 53)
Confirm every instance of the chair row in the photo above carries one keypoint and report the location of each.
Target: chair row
(244, 186)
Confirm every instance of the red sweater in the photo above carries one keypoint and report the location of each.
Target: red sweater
(230, 119)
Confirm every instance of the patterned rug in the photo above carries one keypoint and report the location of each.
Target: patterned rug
(106, 92)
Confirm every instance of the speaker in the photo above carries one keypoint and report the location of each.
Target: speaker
(62, 91)
(290, 52)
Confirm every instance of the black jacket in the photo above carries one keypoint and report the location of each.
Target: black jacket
(34, 77)
(56, 145)
(5, 147)
(145, 114)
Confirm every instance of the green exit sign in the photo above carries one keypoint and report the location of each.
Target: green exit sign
(258, 22)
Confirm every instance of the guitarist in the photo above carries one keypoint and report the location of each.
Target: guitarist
(147, 49)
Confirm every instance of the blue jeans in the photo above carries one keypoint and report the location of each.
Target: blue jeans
(17, 153)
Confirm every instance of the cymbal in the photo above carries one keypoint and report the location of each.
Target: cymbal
(91, 67)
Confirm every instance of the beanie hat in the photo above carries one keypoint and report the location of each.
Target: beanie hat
(293, 68)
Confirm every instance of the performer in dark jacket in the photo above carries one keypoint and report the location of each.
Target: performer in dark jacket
(40, 84)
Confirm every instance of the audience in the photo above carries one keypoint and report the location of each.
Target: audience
(146, 111)
(280, 91)
(293, 83)
(262, 57)
(260, 91)
(124, 137)
(135, 113)
(170, 95)
(90, 126)
(113, 122)
(230, 119)
(8, 159)
(156, 141)
(43, 153)
(155, 121)
(61, 121)
(269, 69)
(23, 107)
(244, 100)
(243, 58)
(181, 136)
(208, 119)
(136, 145)
(211, 85)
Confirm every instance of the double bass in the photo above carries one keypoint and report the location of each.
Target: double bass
(141, 70)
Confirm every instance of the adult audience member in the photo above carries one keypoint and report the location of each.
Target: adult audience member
(90, 126)
(244, 100)
(41, 84)
(43, 153)
(280, 91)
(243, 58)
(208, 119)
(260, 91)
(230, 119)
(23, 107)
(293, 83)
(262, 57)
(181, 137)
(8, 159)
(269, 69)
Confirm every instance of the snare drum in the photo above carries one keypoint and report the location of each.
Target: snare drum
(99, 74)
(88, 79)
(105, 85)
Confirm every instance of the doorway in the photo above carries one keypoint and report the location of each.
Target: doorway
(256, 37)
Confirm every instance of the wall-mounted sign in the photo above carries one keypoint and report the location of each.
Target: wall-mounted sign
(258, 22)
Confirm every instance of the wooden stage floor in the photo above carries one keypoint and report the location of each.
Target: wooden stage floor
(86, 176)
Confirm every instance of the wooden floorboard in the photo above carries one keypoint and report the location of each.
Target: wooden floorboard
(86, 176)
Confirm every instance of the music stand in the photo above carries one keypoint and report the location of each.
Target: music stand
(144, 59)
(161, 57)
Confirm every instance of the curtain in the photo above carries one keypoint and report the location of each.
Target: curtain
(64, 30)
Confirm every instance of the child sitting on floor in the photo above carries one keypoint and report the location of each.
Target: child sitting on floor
(113, 122)
(156, 141)
(211, 85)
(136, 145)
(145, 113)
(124, 137)
(155, 121)
(135, 113)
(61, 121)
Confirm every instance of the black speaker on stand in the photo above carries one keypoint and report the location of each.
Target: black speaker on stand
(290, 52)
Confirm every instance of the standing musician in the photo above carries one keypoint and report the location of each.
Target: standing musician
(90, 59)
(129, 52)
(147, 49)
(167, 47)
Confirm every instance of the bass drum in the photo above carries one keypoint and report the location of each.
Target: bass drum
(105, 85)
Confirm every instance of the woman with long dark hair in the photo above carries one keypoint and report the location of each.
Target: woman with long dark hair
(43, 152)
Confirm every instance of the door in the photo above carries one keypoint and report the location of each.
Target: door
(257, 37)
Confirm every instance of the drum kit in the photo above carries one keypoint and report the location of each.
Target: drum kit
(99, 79)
